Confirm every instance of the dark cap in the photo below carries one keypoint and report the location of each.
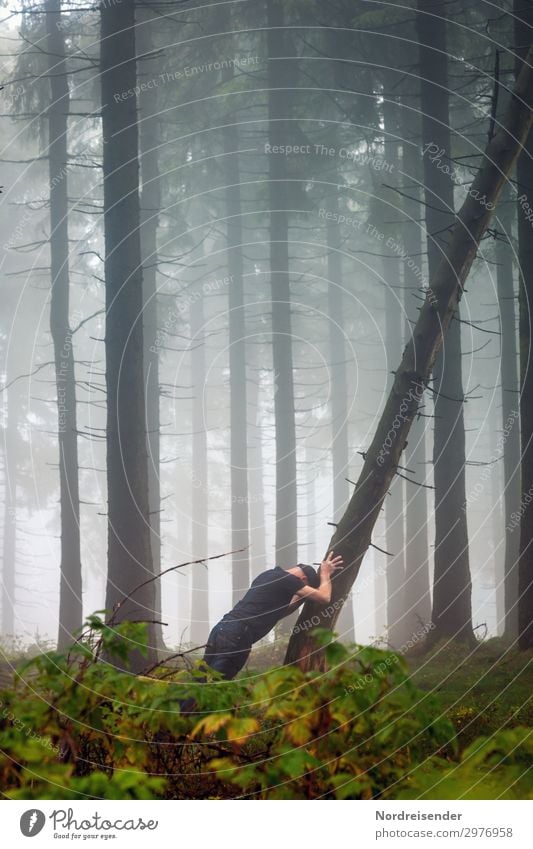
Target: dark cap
(311, 574)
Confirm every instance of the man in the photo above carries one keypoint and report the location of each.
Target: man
(273, 595)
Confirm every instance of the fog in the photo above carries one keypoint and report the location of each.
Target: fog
(278, 225)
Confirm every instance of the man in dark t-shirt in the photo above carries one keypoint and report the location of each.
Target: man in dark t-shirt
(272, 595)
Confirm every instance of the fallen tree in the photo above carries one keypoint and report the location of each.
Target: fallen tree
(352, 536)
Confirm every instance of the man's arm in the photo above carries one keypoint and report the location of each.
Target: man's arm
(322, 595)
(295, 603)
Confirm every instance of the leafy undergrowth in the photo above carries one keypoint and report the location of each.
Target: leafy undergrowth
(13, 651)
(482, 690)
(81, 728)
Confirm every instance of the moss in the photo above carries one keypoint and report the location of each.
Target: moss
(481, 690)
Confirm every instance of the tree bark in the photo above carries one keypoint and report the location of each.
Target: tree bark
(70, 591)
(256, 489)
(9, 542)
(417, 593)
(353, 534)
(240, 522)
(380, 592)
(338, 391)
(311, 474)
(337, 370)
(284, 411)
(394, 503)
(200, 472)
(183, 552)
(237, 366)
(491, 572)
(129, 543)
(511, 426)
(336, 45)
(149, 141)
(523, 14)
(452, 586)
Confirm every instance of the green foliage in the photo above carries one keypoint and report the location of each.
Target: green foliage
(482, 690)
(75, 727)
(348, 733)
(496, 767)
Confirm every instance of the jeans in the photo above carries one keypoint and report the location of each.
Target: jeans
(228, 647)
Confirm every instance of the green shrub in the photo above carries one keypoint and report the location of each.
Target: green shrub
(361, 730)
(496, 767)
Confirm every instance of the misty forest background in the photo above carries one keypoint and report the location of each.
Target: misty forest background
(220, 224)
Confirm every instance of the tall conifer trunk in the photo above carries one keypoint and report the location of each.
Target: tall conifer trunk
(129, 530)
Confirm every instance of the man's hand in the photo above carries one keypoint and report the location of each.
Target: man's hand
(330, 564)
(322, 595)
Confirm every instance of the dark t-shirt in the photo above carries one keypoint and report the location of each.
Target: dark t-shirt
(266, 601)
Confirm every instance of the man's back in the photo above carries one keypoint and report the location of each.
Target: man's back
(269, 599)
(266, 601)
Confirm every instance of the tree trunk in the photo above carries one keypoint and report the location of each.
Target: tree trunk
(183, 552)
(394, 503)
(337, 370)
(129, 544)
(149, 141)
(200, 517)
(337, 44)
(491, 573)
(338, 386)
(311, 474)
(510, 439)
(523, 14)
(353, 534)
(278, 106)
(237, 367)
(452, 587)
(70, 592)
(258, 558)
(417, 590)
(9, 542)
(240, 524)
(380, 593)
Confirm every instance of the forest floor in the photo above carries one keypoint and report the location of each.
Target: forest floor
(481, 690)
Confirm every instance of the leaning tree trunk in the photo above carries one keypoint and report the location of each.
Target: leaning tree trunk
(149, 142)
(452, 586)
(523, 12)
(353, 534)
(129, 549)
(70, 591)
(284, 413)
